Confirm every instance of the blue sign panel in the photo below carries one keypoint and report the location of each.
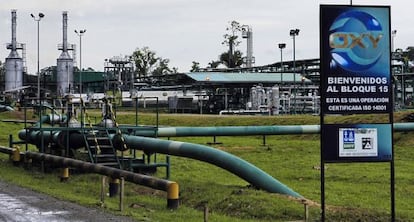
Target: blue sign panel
(357, 142)
(355, 60)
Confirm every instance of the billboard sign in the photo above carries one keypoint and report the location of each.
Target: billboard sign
(355, 78)
(355, 59)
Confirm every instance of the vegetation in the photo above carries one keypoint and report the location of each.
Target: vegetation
(147, 63)
(195, 67)
(354, 192)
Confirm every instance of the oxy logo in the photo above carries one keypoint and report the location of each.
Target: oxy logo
(342, 40)
(356, 41)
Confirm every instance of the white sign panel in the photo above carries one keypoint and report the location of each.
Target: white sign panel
(358, 142)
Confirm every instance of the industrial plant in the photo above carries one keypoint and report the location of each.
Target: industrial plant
(74, 127)
(283, 87)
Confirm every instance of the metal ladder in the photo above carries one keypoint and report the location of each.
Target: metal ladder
(101, 150)
(99, 145)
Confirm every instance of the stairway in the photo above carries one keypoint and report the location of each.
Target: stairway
(101, 150)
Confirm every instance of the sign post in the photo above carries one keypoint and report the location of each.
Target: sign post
(356, 79)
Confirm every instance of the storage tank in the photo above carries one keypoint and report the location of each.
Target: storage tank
(14, 63)
(64, 78)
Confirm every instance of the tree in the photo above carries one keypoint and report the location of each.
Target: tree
(410, 53)
(144, 60)
(147, 63)
(233, 57)
(161, 68)
(236, 61)
(195, 67)
(230, 39)
(213, 64)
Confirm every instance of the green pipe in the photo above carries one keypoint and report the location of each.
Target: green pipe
(222, 159)
(229, 162)
(50, 119)
(239, 167)
(403, 127)
(223, 130)
(237, 130)
(246, 130)
(57, 136)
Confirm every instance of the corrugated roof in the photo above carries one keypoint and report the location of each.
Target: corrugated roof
(245, 77)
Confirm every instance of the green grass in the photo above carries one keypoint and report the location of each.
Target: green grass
(354, 192)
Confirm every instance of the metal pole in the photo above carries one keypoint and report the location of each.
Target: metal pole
(38, 63)
(80, 80)
(40, 16)
(394, 90)
(37, 19)
(294, 59)
(80, 33)
(281, 47)
(294, 75)
(80, 65)
(294, 33)
(281, 63)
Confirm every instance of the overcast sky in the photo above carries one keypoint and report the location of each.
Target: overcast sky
(180, 30)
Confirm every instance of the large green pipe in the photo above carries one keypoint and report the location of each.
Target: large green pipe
(245, 130)
(233, 164)
(237, 130)
(57, 136)
(227, 161)
(222, 159)
(224, 130)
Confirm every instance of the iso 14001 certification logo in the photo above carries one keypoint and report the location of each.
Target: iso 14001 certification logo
(356, 41)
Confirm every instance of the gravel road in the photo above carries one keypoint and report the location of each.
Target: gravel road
(21, 204)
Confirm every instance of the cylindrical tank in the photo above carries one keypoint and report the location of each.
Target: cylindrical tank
(64, 80)
(253, 98)
(275, 100)
(14, 73)
(64, 76)
(14, 63)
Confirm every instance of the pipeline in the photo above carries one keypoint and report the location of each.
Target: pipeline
(237, 130)
(51, 119)
(35, 137)
(245, 130)
(235, 165)
(229, 162)
(159, 184)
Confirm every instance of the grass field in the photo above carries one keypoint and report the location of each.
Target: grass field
(354, 192)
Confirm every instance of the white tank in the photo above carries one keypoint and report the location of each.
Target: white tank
(275, 100)
(64, 78)
(14, 73)
(14, 63)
